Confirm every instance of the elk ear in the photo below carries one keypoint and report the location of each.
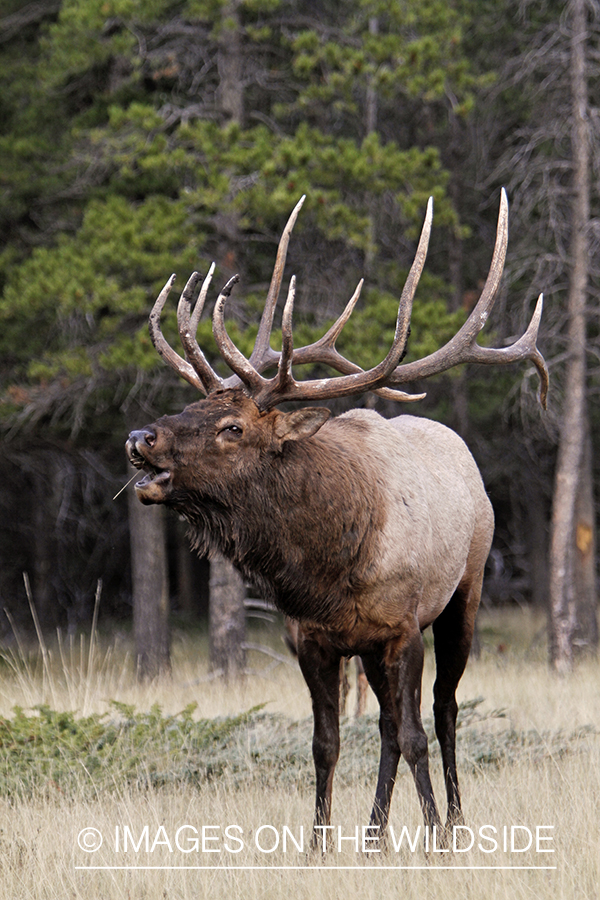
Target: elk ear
(302, 423)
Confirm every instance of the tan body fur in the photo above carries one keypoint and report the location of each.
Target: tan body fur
(437, 520)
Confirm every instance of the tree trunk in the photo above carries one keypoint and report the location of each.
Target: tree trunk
(456, 159)
(371, 96)
(585, 636)
(230, 97)
(193, 574)
(227, 618)
(185, 579)
(44, 541)
(565, 601)
(149, 587)
(230, 103)
(371, 112)
(535, 515)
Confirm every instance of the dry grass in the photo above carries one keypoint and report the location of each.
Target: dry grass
(535, 766)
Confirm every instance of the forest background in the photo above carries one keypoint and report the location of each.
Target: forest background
(143, 138)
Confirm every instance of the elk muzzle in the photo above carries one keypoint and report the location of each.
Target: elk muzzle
(154, 487)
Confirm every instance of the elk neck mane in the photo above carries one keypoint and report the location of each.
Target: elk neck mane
(299, 527)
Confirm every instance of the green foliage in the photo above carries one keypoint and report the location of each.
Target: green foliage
(49, 747)
(48, 750)
(96, 281)
(32, 134)
(402, 51)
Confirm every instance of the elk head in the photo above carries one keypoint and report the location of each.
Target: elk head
(237, 425)
(211, 444)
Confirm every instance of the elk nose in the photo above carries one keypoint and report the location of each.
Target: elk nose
(142, 437)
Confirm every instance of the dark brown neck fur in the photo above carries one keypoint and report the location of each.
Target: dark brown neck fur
(305, 545)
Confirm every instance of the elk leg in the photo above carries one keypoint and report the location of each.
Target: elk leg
(452, 636)
(374, 669)
(404, 665)
(344, 684)
(362, 686)
(320, 665)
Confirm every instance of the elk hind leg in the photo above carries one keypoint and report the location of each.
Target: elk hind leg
(404, 664)
(320, 665)
(362, 686)
(374, 669)
(452, 636)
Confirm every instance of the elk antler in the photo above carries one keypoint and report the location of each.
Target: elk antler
(382, 378)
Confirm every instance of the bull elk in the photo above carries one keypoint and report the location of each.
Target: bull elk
(364, 530)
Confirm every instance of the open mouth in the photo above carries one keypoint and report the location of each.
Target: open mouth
(153, 474)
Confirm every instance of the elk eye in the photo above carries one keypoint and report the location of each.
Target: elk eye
(231, 429)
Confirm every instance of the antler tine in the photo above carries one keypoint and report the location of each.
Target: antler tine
(173, 359)
(188, 326)
(287, 337)
(462, 348)
(262, 354)
(414, 275)
(234, 358)
(198, 308)
(483, 307)
(524, 348)
(324, 349)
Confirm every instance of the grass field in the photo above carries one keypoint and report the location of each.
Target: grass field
(193, 773)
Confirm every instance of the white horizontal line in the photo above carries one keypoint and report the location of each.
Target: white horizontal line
(322, 868)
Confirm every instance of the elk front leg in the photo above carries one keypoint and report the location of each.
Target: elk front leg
(404, 666)
(320, 665)
(388, 729)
